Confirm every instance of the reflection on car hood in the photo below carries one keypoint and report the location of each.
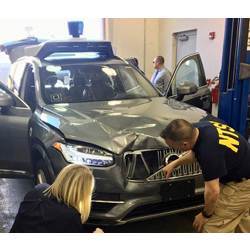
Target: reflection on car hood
(119, 125)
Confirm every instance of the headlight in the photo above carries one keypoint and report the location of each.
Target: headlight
(84, 155)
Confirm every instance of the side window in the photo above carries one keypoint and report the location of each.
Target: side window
(16, 76)
(27, 89)
(1, 93)
(17, 101)
(189, 71)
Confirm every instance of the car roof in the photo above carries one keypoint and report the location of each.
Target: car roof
(43, 49)
(47, 48)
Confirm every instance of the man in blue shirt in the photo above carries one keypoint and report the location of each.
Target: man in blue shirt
(161, 75)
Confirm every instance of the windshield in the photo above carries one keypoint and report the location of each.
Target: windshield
(85, 83)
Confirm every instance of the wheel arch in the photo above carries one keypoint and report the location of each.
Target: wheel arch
(38, 152)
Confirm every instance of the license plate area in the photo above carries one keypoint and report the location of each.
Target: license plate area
(178, 190)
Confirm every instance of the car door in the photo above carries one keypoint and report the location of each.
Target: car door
(15, 160)
(190, 69)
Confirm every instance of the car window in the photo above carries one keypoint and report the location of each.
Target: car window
(2, 91)
(15, 76)
(27, 89)
(188, 71)
(17, 101)
(84, 83)
(4, 67)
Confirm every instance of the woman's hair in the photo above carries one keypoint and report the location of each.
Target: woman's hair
(74, 186)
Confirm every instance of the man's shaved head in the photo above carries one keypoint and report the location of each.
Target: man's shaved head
(178, 130)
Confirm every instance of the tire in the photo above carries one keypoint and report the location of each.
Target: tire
(41, 173)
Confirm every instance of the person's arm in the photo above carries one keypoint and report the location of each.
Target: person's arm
(159, 84)
(185, 158)
(211, 194)
(167, 79)
(213, 166)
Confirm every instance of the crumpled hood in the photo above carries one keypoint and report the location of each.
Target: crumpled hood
(119, 125)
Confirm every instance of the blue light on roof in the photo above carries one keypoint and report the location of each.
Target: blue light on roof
(75, 28)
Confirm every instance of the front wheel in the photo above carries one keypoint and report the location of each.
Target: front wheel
(41, 173)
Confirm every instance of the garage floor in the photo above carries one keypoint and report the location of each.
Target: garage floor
(12, 192)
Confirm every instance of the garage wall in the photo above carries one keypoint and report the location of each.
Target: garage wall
(146, 38)
(135, 37)
(152, 44)
(210, 50)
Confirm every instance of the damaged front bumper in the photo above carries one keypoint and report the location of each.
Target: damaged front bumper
(135, 188)
(160, 199)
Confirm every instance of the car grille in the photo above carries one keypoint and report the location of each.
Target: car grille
(147, 164)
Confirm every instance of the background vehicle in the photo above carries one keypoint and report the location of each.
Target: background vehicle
(75, 101)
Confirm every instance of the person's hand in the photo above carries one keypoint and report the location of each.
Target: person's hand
(168, 169)
(98, 230)
(199, 222)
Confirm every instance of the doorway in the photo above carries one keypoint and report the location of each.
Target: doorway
(185, 43)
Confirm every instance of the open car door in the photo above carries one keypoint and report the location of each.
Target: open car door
(15, 160)
(188, 83)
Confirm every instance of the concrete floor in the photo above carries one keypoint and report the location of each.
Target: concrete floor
(12, 192)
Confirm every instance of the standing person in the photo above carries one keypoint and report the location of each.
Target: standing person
(224, 157)
(161, 75)
(63, 207)
(134, 61)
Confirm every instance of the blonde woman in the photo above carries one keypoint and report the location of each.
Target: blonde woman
(62, 207)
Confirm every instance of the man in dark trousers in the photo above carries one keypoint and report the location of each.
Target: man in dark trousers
(224, 158)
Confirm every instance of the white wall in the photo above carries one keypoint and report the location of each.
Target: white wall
(146, 38)
(151, 44)
(134, 37)
(127, 36)
(210, 50)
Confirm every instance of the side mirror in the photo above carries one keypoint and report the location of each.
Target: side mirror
(186, 88)
(5, 100)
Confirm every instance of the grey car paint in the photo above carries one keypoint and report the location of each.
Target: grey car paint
(119, 125)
